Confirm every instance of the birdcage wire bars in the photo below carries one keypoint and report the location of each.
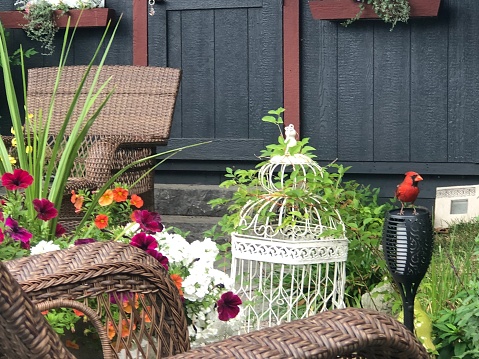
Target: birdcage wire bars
(288, 259)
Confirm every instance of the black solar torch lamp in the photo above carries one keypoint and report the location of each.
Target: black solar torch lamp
(407, 245)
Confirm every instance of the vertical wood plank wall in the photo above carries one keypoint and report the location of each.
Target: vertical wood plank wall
(381, 101)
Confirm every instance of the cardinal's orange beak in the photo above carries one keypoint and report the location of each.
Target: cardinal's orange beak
(418, 178)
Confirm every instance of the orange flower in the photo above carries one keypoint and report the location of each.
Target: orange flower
(125, 328)
(77, 201)
(45, 312)
(72, 345)
(101, 221)
(78, 313)
(136, 201)
(127, 304)
(146, 316)
(111, 331)
(106, 199)
(120, 194)
(178, 282)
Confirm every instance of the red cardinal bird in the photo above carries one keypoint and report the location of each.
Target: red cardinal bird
(408, 190)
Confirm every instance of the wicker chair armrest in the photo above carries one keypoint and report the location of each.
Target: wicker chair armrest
(340, 333)
(108, 271)
(99, 159)
(81, 262)
(89, 313)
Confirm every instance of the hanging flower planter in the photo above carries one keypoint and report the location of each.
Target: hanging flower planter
(347, 9)
(97, 17)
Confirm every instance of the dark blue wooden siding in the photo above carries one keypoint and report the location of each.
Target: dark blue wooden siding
(403, 96)
(230, 52)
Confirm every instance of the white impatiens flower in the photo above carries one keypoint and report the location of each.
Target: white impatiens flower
(43, 247)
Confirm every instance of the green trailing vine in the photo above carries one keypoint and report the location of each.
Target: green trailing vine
(41, 25)
(390, 11)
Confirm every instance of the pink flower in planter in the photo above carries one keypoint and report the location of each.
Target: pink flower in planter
(144, 241)
(84, 241)
(60, 230)
(159, 257)
(46, 209)
(17, 233)
(228, 306)
(149, 221)
(19, 179)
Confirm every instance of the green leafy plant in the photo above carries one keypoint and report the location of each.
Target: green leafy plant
(390, 11)
(457, 327)
(41, 25)
(357, 205)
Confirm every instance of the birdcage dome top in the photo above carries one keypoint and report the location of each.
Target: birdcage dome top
(290, 209)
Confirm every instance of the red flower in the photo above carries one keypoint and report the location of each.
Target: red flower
(18, 179)
(17, 233)
(159, 257)
(46, 209)
(60, 230)
(149, 221)
(144, 241)
(101, 221)
(84, 241)
(228, 306)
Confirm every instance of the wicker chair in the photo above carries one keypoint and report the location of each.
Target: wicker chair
(136, 119)
(89, 278)
(340, 333)
(91, 275)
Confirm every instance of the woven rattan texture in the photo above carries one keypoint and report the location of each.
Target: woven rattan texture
(24, 332)
(139, 111)
(340, 333)
(135, 120)
(106, 272)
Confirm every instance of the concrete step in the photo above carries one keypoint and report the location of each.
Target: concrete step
(189, 200)
(196, 225)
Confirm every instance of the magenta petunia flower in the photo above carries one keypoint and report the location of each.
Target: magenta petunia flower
(84, 241)
(59, 230)
(46, 209)
(16, 180)
(144, 241)
(228, 306)
(2, 236)
(149, 222)
(124, 297)
(18, 233)
(159, 257)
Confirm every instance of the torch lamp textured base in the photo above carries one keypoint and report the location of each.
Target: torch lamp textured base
(408, 243)
(407, 246)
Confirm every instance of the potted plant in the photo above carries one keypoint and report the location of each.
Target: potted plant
(41, 19)
(391, 11)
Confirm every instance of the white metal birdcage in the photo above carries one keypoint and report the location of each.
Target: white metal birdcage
(289, 254)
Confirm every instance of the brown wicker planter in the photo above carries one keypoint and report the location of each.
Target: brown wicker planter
(98, 17)
(347, 9)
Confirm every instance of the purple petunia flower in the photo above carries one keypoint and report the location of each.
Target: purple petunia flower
(59, 230)
(149, 222)
(228, 306)
(2, 236)
(18, 233)
(144, 241)
(124, 297)
(159, 257)
(16, 180)
(84, 241)
(46, 210)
